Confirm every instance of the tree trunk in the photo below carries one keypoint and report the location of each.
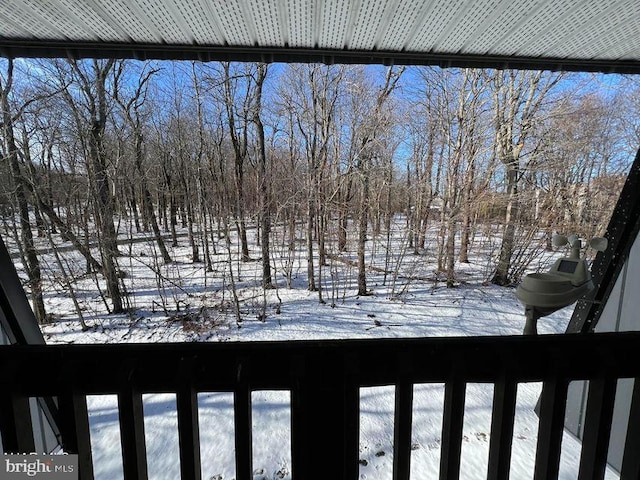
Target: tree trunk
(311, 282)
(343, 220)
(362, 234)
(147, 203)
(343, 225)
(465, 237)
(263, 184)
(239, 139)
(188, 210)
(173, 209)
(133, 206)
(501, 275)
(103, 199)
(32, 264)
(104, 216)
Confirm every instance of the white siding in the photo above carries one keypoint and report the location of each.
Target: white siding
(620, 314)
(4, 340)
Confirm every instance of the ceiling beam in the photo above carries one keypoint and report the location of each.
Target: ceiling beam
(26, 48)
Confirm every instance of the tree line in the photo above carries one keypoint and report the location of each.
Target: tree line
(329, 156)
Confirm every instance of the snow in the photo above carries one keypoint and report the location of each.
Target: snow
(195, 305)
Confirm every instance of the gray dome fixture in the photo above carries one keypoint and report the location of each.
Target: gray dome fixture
(567, 280)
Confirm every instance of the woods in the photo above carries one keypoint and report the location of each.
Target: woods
(330, 167)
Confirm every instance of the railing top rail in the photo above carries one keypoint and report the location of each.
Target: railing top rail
(277, 365)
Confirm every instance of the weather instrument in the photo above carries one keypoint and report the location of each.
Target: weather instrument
(567, 280)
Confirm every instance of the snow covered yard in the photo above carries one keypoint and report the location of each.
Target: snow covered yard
(186, 301)
(192, 304)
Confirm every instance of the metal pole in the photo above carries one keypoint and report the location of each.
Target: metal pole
(531, 315)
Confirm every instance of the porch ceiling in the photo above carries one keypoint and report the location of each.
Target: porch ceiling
(585, 35)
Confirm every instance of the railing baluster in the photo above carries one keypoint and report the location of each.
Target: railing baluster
(453, 420)
(502, 418)
(553, 404)
(597, 428)
(188, 433)
(299, 430)
(15, 423)
(242, 424)
(631, 459)
(74, 427)
(351, 406)
(403, 418)
(134, 453)
(402, 430)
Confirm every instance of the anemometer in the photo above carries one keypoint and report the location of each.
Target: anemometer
(567, 280)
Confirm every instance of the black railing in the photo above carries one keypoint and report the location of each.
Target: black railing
(324, 378)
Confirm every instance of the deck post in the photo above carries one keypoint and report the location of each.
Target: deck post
(324, 406)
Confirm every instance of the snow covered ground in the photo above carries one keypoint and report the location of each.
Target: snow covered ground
(191, 304)
(183, 301)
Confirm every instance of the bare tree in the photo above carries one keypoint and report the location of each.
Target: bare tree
(263, 180)
(422, 179)
(237, 105)
(454, 105)
(88, 99)
(12, 153)
(518, 99)
(312, 102)
(131, 109)
(375, 119)
(569, 188)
